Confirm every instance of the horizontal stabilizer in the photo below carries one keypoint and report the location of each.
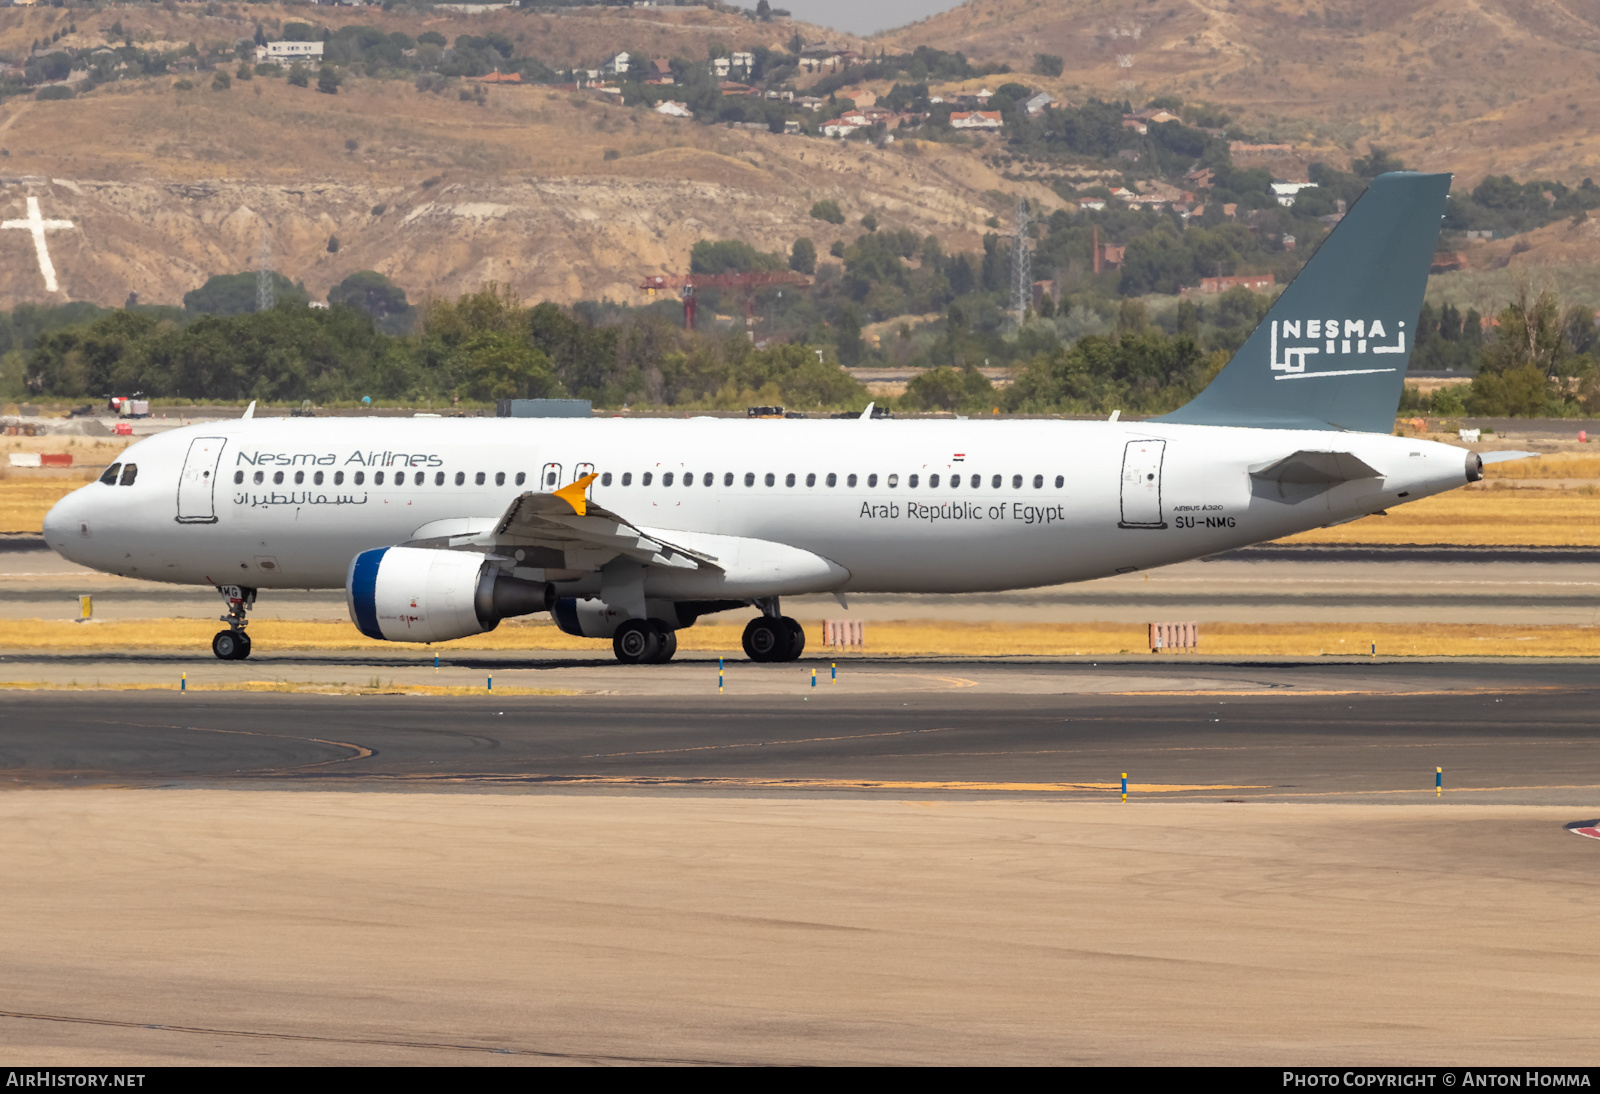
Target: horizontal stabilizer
(1502, 457)
(1316, 469)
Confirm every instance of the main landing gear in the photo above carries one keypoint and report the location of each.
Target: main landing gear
(773, 637)
(233, 644)
(644, 642)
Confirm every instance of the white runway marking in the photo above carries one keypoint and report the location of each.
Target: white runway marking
(36, 224)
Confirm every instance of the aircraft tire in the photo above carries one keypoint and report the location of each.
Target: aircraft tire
(669, 646)
(637, 642)
(797, 638)
(765, 639)
(242, 646)
(227, 646)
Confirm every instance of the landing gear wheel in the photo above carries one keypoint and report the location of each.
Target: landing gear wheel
(230, 646)
(797, 638)
(669, 646)
(767, 639)
(637, 642)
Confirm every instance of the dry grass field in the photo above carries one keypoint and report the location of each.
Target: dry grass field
(888, 639)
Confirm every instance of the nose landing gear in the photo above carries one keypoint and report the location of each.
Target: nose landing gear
(233, 644)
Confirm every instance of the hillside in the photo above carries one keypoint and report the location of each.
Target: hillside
(1477, 87)
(167, 186)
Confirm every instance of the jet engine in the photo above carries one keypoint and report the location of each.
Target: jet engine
(414, 594)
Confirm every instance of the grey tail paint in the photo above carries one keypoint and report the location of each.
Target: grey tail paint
(1332, 353)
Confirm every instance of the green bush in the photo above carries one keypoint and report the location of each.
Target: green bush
(829, 211)
(55, 91)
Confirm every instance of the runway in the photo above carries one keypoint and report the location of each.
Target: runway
(1504, 733)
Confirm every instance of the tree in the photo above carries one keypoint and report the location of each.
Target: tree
(371, 293)
(730, 256)
(221, 81)
(333, 245)
(328, 81)
(849, 337)
(298, 76)
(1047, 64)
(829, 211)
(803, 256)
(763, 11)
(235, 294)
(502, 365)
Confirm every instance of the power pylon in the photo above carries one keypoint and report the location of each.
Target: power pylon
(1022, 264)
(264, 297)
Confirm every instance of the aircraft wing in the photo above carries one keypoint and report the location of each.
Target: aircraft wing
(563, 530)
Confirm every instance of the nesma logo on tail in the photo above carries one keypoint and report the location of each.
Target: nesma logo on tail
(1330, 336)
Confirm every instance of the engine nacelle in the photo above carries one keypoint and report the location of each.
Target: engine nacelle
(414, 594)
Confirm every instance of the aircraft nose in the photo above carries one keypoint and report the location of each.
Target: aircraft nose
(63, 524)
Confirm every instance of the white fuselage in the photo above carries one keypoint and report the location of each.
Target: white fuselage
(240, 502)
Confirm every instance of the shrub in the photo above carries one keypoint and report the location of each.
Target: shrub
(1047, 64)
(829, 211)
(61, 91)
(221, 81)
(298, 76)
(328, 82)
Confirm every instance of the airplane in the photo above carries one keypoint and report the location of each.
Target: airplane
(630, 530)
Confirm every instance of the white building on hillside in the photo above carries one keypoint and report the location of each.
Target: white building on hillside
(286, 52)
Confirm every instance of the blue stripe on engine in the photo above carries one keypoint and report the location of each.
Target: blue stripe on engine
(363, 586)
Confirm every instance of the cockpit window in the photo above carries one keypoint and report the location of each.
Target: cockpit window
(110, 475)
(130, 471)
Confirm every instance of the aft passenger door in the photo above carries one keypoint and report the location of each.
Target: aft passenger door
(1141, 484)
(197, 482)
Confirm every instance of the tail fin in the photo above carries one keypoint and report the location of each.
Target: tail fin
(1332, 352)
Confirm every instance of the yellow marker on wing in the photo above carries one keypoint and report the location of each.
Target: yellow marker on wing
(573, 494)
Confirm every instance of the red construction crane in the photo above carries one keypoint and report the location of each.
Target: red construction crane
(746, 283)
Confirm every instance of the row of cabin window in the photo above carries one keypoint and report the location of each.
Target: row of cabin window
(831, 479)
(130, 472)
(419, 478)
(360, 477)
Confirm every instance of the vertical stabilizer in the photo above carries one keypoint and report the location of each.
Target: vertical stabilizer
(1332, 353)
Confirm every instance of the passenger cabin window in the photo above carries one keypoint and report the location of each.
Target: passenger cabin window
(911, 483)
(461, 478)
(130, 471)
(894, 481)
(522, 477)
(749, 478)
(933, 480)
(709, 480)
(317, 478)
(277, 477)
(1038, 482)
(438, 478)
(832, 479)
(478, 478)
(500, 478)
(666, 479)
(1016, 482)
(361, 477)
(377, 478)
(771, 479)
(1061, 480)
(299, 478)
(811, 479)
(109, 477)
(851, 481)
(550, 478)
(788, 480)
(605, 480)
(727, 480)
(627, 478)
(955, 482)
(996, 482)
(238, 477)
(872, 480)
(644, 480)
